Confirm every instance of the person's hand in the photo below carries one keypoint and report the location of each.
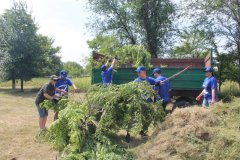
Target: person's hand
(77, 90)
(161, 83)
(198, 98)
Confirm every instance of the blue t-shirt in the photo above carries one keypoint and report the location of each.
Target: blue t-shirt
(107, 75)
(209, 84)
(163, 89)
(63, 84)
(150, 80)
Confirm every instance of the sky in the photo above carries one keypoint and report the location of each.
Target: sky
(64, 21)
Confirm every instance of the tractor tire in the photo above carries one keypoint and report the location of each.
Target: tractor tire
(182, 104)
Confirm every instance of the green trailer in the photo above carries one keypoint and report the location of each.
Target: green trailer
(184, 88)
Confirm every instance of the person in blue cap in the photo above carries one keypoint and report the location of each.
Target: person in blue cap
(142, 76)
(107, 72)
(63, 83)
(210, 90)
(162, 88)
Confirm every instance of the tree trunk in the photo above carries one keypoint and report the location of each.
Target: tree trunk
(13, 84)
(21, 84)
(13, 80)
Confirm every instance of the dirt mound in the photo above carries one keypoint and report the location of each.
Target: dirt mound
(184, 134)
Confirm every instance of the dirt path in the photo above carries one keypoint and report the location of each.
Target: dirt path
(19, 127)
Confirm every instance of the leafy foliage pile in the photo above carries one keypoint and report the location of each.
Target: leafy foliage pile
(134, 55)
(82, 130)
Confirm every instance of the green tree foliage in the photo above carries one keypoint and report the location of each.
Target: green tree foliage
(135, 22)
(103, 44)
(48, 61)
(155, 18)
(74, 69)
(18, 34)
(133, 55)
(223, 18)
(195, 43)
(24, 54)
(82, 130)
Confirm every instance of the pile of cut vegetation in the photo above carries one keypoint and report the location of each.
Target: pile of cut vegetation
(196, 133)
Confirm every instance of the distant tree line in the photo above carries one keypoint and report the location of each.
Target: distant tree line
(24, 53)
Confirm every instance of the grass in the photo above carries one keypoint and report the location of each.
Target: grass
(82, 83)
(196, 133)
(19, 127)
(229, 89)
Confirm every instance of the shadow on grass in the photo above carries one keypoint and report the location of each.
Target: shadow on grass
(28, 92)
(134, 142)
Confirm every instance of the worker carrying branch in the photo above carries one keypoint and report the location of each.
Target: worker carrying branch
(107, 72)
(162, 87)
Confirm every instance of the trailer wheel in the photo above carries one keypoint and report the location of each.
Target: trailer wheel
(182, 104)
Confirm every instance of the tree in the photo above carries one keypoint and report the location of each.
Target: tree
(49, 62)
(195, 43)
(104, 44)
(24, 53)
(155, 19)
(135, 22)
(74, 69)
(223, 15)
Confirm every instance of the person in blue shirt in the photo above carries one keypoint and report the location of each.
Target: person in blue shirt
(210, 90)
(142, 76)
(162, 88)
(107, 72)
(63, 83)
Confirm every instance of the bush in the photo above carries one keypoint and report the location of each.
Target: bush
(229, 90)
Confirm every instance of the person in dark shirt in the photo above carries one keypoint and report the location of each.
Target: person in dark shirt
(47, 92)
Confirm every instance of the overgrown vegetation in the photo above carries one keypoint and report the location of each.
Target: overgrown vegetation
(82, 130)
(229, 90)
(196, 133)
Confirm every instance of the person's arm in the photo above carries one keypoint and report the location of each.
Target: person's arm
(70, 83)
(213, 87)
(213, 96)
(48, 96)
(61, 91)
(113, 63)
(200, 96)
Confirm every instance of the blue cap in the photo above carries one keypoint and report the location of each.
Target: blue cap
(104, 67)
(208, 69)
(63, 73)
(156, 70)
(140, 68)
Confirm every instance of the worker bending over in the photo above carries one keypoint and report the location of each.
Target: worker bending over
(210, 90)
(47, 92)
